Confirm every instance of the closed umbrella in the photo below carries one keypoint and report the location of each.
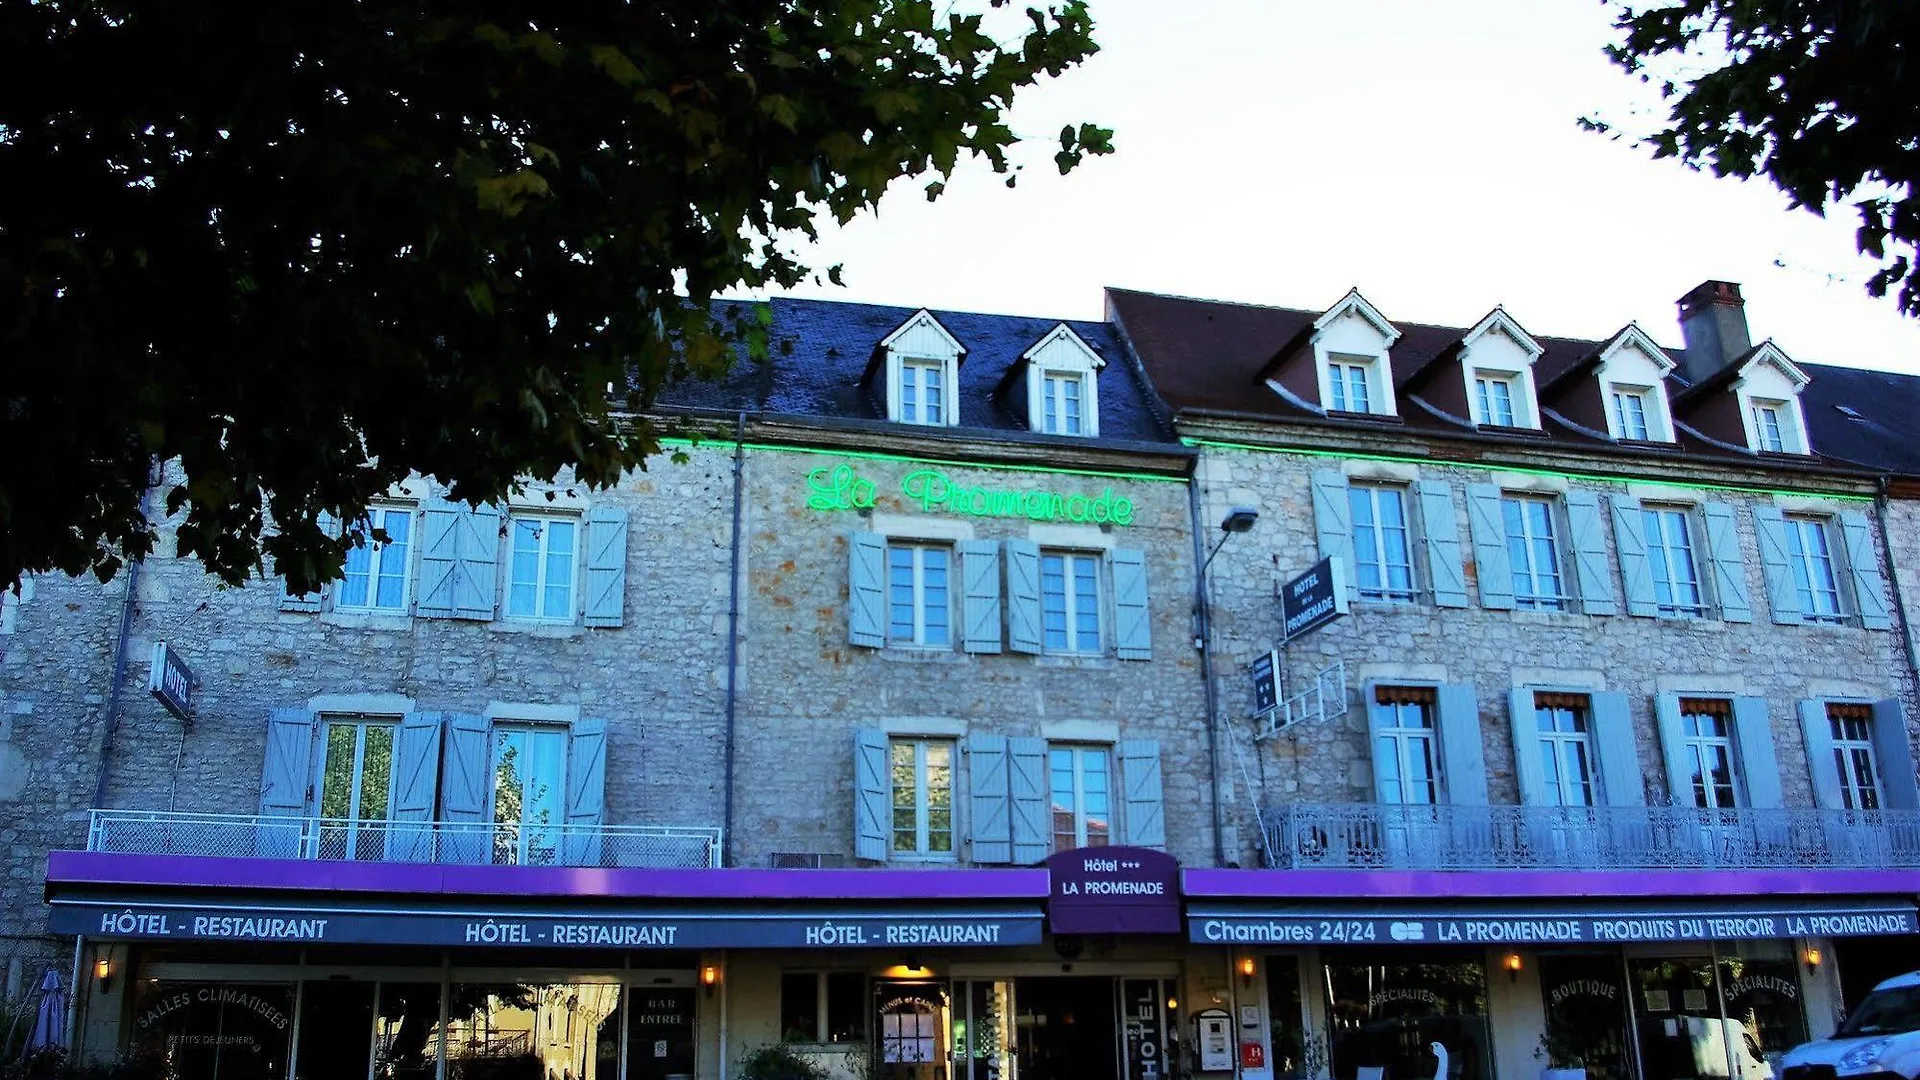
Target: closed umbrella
(50, 1023)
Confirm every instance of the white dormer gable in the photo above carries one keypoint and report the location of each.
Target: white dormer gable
(1768, 388)
(1496, 361)
(923, 372)
(1633, 387)
(1063, 384)
(1351, 343)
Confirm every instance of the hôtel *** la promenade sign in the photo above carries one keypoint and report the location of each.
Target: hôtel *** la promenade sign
(840, 487)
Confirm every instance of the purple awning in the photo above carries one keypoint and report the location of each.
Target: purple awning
(1512, 884)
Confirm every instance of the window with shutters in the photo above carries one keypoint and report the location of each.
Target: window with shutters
(379, 570)
(542, 566)
(1706, 753)
(1070, 609)
(1533, 551)
(1061, 397)
(1080, 790)
(922, 783)
(1810, 555)
(923, 392)
(1853, 755)
(1382, 546)
(823, 1008)
(919, 595)
(356, 786)
(1669, 536)
(529, 775)
(1566, 747)
(1349, 384)
(1404, 754)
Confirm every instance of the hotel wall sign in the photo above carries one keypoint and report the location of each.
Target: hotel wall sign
(1113, 890)
(171, 682)
(841, 487)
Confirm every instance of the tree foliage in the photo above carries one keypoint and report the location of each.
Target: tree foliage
(305, 249)
(1821, 97)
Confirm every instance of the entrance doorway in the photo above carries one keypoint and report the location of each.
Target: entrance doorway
(1063, 1028)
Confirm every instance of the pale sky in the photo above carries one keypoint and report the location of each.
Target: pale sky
(1282, 151)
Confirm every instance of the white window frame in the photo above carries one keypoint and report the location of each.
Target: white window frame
(356, 821)
(1484, 383)
(1562, 747)
(919, 586)
(1074, 603)
(558, 828)
(1656, 522)
(1694, 748)
(1053, 393)
(922, 805)
(1404, 741)
(1803, 563)
(1532, 599)
(1769, 426)
(1847, 750)
(377, 553)
(1080, 752)
(1343, 374)
(1385, 593)
(921, 374)
(514, 519)
(1619, 394)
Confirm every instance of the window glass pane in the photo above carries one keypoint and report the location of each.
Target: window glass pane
(212, 1030)
(1086, 611)
(905, 782)
(1049, 397)
(800, 1007)
(336, 784)
(1387, 1008)
(529, 1029)
(356, 586)
(938, 607)
(1062, 801)
(1053, 600)
(1070, 388)
(406, 1041)
(393, 558)
(560, 549)
(939, 785)
(376, 772)
(846, 1007)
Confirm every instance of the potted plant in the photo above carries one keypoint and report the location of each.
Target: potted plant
(1566, 1059)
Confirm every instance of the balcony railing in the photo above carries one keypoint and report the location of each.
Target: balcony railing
(1374, 836)
(248, 835)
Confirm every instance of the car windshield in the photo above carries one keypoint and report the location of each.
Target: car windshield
(1884, 1012)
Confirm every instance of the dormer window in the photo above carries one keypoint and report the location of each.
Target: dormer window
(1630, 412)
(1768, 387)
(1347, 381)
(922, 372)
(1062, 384)
(1632, 377)
(1496, 358)
(1350, 346)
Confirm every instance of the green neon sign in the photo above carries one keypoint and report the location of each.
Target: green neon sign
(839, 487)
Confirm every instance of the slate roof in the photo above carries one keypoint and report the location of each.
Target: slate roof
(832, 342)
(1869, 417)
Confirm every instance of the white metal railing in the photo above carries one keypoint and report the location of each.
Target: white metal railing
(159, 832)
(1372, 835)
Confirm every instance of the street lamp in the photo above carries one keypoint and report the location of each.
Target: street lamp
(1238, 520)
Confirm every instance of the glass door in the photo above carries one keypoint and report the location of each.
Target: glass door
(983, 1012)
(911, 1037)
(529, 786)
(1146, 1022)
(356, 788)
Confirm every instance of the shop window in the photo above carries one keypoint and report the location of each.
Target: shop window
(1387, 1009)
(336, 1030)
(407, 1022)
(1297, 1055)
(1729, 1014)
(922, 783)
(498, 1030)
(540, 567)
(529, 785)
(823, 1007)
(213, 1031)
(356, 787)
(1079, 780)
(1585, 1001)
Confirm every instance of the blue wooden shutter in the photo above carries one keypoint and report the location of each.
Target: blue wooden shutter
(1023, 596)
(1463, 757)
(1666, 715)
(1595, 577)
(1378, 716)
(1611, 730)
(1783, 595)
(1725, 566)
(980, 613)
(1492, 565)
(1440, 533)
(1032, 816)
(1333, 515)
(1132, 629)
(867, 590)
(872, 795)
(1818, 732)
(477, 580)
(1140, 779)
(606, 566)
(1636, 572)
(330, 526)
(1759, 765)
(1528, 771)
(285, 779)
(1863, 570)
(416, 787)
(439, 561)
(586, 792)
(1895, 754)
(987, 811)
(464, 790)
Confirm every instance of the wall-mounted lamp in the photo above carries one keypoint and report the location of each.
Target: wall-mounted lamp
(1173, 1003)
(709, 977)
(1812, 958)
(1247, 969)
(1513, 967)
(103, 972)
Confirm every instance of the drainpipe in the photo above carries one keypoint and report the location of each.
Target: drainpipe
(1203, 638)
(1893, 581)
(733, 642)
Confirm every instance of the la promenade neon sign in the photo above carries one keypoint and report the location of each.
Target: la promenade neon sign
(839, 487)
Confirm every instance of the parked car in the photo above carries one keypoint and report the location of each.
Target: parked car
(1879, 1040)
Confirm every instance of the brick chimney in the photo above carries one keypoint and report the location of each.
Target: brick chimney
(1713, 320)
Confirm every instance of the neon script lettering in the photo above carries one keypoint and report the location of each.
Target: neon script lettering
(935, 491)
(839, 488)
